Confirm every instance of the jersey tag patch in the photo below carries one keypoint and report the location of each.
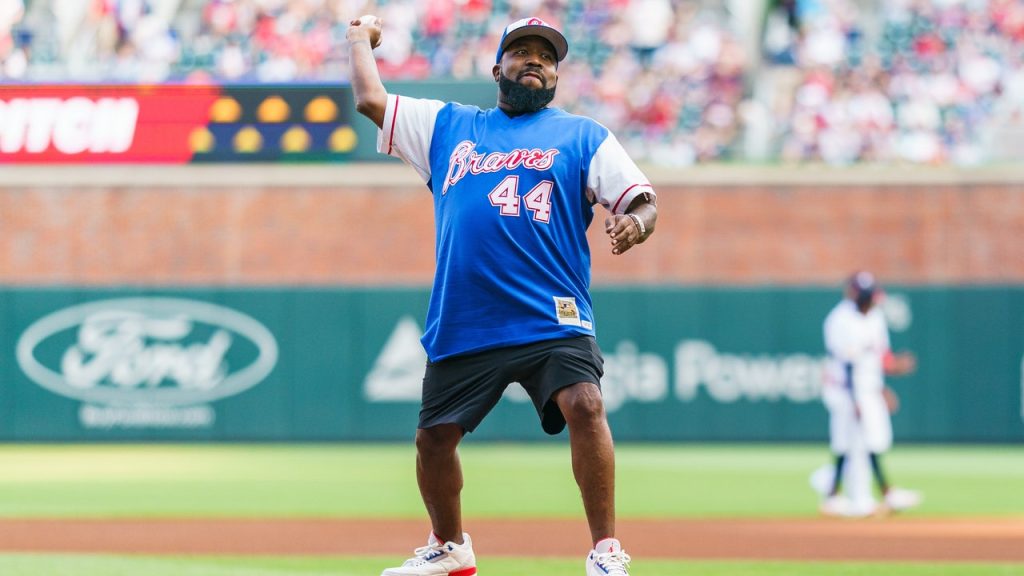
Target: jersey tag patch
(566, 310)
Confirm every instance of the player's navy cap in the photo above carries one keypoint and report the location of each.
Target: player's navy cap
(863, 282)
(533, 27)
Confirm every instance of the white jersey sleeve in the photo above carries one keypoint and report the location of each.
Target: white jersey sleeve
(883, 333)
(407, 131)
(840, 342)
(837, 336)
(614, 179)
(848, 335)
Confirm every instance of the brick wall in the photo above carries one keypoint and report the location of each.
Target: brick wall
(220, 232)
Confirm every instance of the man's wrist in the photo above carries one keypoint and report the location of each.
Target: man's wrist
(639, 223)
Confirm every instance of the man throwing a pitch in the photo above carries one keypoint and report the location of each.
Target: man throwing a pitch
(513, 189)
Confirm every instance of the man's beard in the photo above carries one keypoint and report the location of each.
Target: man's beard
(524, 99)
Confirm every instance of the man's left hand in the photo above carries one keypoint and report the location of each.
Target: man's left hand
(892, 400)
(623, 231)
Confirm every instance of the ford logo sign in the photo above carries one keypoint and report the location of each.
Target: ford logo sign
(146, 351)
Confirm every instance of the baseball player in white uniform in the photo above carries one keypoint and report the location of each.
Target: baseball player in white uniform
(859, 404)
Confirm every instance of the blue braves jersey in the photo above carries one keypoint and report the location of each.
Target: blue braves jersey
(513, 197)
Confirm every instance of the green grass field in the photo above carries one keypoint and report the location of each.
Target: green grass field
(288, 481)
(79, 565)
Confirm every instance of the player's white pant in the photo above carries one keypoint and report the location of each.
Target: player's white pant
(874, 428)
(857, 480)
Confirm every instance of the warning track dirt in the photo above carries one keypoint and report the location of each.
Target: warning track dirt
(911, 539)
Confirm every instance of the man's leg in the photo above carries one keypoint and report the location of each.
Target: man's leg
(858, 480)
(876, 467)
(593, 454)
(837, 478)
(439, 474)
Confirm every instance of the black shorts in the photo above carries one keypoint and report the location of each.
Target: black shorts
(463, 389)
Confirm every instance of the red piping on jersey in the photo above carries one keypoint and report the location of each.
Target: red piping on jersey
(616, 207)
(394, 118)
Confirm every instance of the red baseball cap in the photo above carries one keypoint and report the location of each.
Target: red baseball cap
(533, 27)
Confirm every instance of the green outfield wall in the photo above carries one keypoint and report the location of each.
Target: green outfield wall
(345, 364)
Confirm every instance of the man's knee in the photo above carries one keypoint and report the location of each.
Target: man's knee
(581, 402)
(438, 440)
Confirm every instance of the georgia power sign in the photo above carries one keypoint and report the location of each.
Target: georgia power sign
(696, 367)
(146, 362)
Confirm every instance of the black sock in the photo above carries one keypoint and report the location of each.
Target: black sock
(838, 479)
(876, 467)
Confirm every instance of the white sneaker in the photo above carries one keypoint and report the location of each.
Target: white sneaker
(821, 480)
(899, 499)
(608, 559)
(837, 506)
(439, 559)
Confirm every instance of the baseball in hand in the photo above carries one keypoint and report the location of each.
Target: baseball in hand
(373, 25)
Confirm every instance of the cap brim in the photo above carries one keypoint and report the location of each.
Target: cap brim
(546, 32)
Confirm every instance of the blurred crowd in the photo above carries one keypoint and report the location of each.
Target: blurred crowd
(837, 81)
(921, 81)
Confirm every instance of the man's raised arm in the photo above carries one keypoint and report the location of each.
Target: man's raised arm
(363, 36)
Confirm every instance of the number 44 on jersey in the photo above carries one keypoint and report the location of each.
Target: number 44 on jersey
(538, 200)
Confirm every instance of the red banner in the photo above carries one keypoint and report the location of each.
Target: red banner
(82, 124)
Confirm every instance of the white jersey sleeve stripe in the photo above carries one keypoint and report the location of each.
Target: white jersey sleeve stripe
(408, 136)
(614, 179)
(390, 115)
(615, 208)
(394, 118)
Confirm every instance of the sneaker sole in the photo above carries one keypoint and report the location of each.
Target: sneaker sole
(462, 572)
